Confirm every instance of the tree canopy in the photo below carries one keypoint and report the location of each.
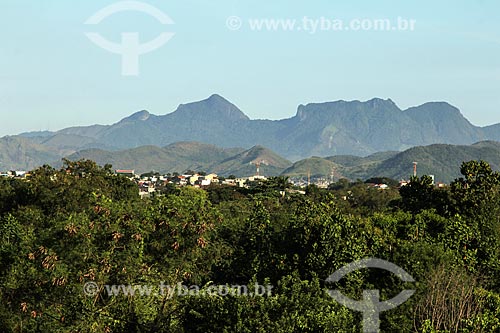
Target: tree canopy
(68, 236)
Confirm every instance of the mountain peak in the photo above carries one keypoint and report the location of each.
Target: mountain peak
(348, 107)
(138, 116)
(260, 154)
(217, 98)
(379, 102)
(438, 110)
(439, 106)
(214, 106)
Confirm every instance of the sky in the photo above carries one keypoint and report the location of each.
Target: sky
(53, 76)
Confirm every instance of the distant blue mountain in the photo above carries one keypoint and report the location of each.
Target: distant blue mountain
(319, 129)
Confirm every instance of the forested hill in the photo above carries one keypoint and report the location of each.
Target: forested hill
(442, 161)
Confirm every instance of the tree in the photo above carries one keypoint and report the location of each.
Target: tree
(476, 196)
(63, 228)
(421, 194)
(382, 180)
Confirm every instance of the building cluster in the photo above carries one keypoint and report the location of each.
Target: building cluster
(321, 182)
(14, 174)
(151, 183)
(438, 184)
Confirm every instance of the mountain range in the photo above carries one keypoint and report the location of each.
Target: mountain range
(441, 160)
(349, 130)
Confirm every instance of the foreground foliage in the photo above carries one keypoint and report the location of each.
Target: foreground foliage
(64, 229)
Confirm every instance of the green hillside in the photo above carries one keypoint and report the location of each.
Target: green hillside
(182, 156)
(243, 164)
(442, 161)
(176, 157)
(355, 167)
(314, 166)
(18, 153)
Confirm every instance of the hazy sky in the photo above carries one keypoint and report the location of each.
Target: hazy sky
(52, 76)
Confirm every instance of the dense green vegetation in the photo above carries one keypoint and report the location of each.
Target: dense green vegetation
(61, 229)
